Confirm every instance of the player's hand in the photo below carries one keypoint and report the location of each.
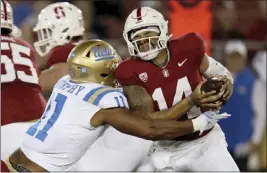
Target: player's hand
(208, 119)
(229, 87)
(213, 117)
(97, 120)
(206, 100)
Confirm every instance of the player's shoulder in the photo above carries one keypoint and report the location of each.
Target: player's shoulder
(59, 54)
(190, 45)
(125, 68)
(186, 39)
(105, 96)
(17, 40)
(61, 49)
(128, 67)
(126, 63)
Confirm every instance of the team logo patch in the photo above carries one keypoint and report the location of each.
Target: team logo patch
(83, 72)
(165, 73)
(143, 76)
(72, 55)
(103, 53)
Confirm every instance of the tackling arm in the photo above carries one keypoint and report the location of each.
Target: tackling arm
(140, 100)
(127, 122)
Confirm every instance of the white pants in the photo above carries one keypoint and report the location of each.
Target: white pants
(114, 151)
(11, 137)
(208, 153)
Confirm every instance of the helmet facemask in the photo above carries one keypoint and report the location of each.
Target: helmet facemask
(45, 41)
(147, 47)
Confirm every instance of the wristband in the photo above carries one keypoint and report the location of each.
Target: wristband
(199, 123)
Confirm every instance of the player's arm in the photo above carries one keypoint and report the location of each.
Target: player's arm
(207, 65)
(211, 67)
(140, 101)
(128, 122)
(49, 77)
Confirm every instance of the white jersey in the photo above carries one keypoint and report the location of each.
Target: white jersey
(63, 134)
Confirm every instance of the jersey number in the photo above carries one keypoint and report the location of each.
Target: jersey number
(42, 134)
(120, 101)
(10, 75)
(182, 87)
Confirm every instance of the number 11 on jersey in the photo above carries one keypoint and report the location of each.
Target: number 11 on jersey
(42, 134)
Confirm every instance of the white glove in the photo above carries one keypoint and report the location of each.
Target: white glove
(207, 120)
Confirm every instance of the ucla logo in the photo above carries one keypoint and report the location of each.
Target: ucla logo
(103, 54)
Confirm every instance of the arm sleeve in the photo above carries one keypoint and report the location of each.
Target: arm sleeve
(114, 99)
(216, 68)
(259, 106)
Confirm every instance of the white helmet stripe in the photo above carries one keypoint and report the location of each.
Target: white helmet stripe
(5, 9)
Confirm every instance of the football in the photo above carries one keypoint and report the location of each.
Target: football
(213, 83)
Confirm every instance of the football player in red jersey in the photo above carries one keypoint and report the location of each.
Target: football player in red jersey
(59, 28)
(21, 96)
(162, 72)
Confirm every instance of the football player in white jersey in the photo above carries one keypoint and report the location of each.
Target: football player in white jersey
(80, 104)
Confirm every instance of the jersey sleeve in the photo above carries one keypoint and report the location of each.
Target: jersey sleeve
(114, 99)
(107, 97)
(58, 54)
(125, 74)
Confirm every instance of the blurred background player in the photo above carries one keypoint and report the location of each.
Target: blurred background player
(59, 28)
(21, 98)
(168, 68)
(188, 14)
(259, 64)
(20, 91)
(249, 94)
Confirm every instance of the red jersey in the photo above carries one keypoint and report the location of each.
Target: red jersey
(59, 54)
(168, 86)
(21, 97)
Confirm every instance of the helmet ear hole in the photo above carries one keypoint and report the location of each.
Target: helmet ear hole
(88, 54)
(104, 75)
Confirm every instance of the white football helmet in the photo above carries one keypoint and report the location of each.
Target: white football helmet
(146, 19)
(6, 15)
(57, 24)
